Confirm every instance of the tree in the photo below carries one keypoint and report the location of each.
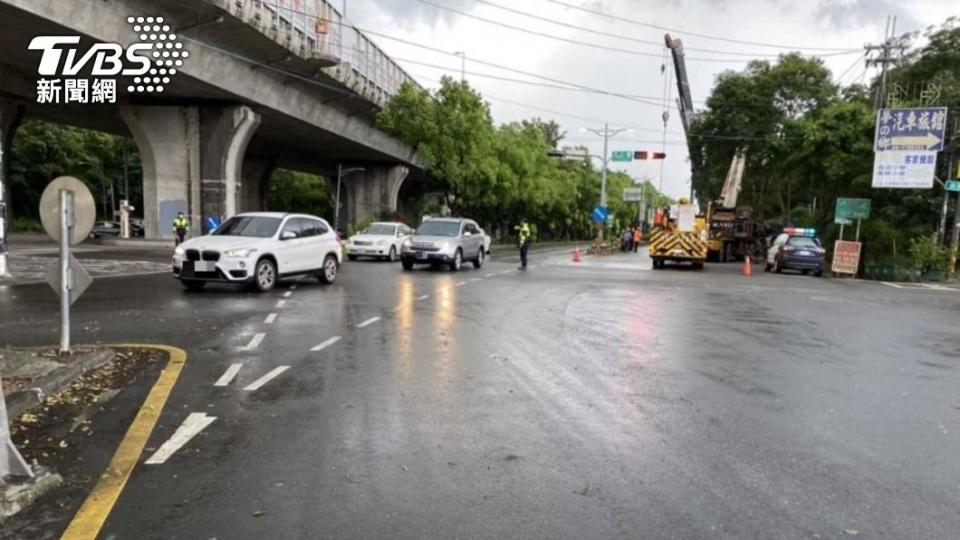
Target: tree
(453, 134)
(292, 191)
(550, 130)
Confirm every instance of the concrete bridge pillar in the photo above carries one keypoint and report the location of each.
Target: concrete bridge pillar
(374, 191)
(10, 116)
(225, 133)
(192, 160)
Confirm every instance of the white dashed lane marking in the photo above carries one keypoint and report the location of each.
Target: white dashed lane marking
(368, 322)
(281, 303)
(274, 373)
(255, 341)
(228, 375)
(475, 279)
(326, 344)
(461, 284)
(424, 297)
(270, 318)
(194, 424)
(293, 287)
(288, 294)
(490, 275)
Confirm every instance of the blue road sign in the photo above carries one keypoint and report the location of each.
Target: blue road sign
(900, 130)
(599, 214)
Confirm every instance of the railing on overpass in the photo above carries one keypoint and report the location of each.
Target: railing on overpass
(316, 32)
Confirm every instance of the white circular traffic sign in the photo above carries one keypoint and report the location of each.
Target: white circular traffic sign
(84, 208)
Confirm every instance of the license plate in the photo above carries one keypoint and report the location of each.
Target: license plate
(804, 253)
(204, 266)
(421, 255)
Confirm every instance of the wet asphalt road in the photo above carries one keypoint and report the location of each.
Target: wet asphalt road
(600, 400)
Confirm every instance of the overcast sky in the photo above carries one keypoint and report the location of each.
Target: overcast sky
(839, 24)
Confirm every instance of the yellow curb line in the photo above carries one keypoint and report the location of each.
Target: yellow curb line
(88, 521)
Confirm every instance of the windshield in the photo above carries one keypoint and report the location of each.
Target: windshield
(380, 229)
(253, 226)
(803, 242)
(439, 228)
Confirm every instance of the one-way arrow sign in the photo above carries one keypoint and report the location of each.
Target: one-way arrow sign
(923, 142)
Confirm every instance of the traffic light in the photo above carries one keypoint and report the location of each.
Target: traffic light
(644, 155)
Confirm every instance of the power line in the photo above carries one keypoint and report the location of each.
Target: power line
(567, 40)
(704, 36)
(853, 65)
(571, 87)
(638, 40)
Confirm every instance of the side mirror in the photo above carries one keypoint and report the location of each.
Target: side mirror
(288, 235)
(468, 234)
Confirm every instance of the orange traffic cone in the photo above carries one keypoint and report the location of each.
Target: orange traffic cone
(747, 271)
(576, 255)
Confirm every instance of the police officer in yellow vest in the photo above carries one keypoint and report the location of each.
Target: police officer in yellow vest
(523, 241)
(180, 225)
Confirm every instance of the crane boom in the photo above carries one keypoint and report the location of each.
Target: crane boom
(734, 180)
(685, 100)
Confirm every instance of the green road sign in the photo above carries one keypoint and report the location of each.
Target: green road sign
(843, 221)
(622, 155)
(953, 185)
(852, 208)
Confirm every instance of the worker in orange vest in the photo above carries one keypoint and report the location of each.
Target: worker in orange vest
(637, 237)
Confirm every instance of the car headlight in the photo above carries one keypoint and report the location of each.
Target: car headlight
(407, 244)
(443, 246)
(179, 251)
(240, 253)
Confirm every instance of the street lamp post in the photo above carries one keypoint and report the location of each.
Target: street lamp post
(606, 133)
(341, 172)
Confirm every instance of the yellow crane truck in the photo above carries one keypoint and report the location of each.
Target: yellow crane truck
(678, 235)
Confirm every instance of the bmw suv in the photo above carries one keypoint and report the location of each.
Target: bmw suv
(259, 248)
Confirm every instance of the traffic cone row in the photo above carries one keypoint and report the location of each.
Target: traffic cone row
(747, 271)
(577, 256)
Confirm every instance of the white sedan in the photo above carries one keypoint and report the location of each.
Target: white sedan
(381, 240)
(259, 248)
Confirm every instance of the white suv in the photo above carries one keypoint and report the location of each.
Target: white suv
(259, 248)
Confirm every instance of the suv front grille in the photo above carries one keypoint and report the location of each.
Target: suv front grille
(210, 255)
(193, 255)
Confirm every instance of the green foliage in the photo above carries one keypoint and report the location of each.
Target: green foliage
(292, 191)
(25, 224)
(42, 151)
(927, 255)
(809, 142)
(497, 175)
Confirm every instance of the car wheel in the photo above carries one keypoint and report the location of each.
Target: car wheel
(392, 257)
(766, 267)
(193, 286)
(265, 275)
(819, 272)
(407, 264)
(352, 257)
(478, 262)
(457, 261)
(329, 271)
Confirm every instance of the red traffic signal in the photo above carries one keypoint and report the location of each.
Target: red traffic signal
(644, 155)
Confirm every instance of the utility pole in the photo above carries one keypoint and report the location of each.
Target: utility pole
(955, 240)
(606, 133)
(886, 57)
